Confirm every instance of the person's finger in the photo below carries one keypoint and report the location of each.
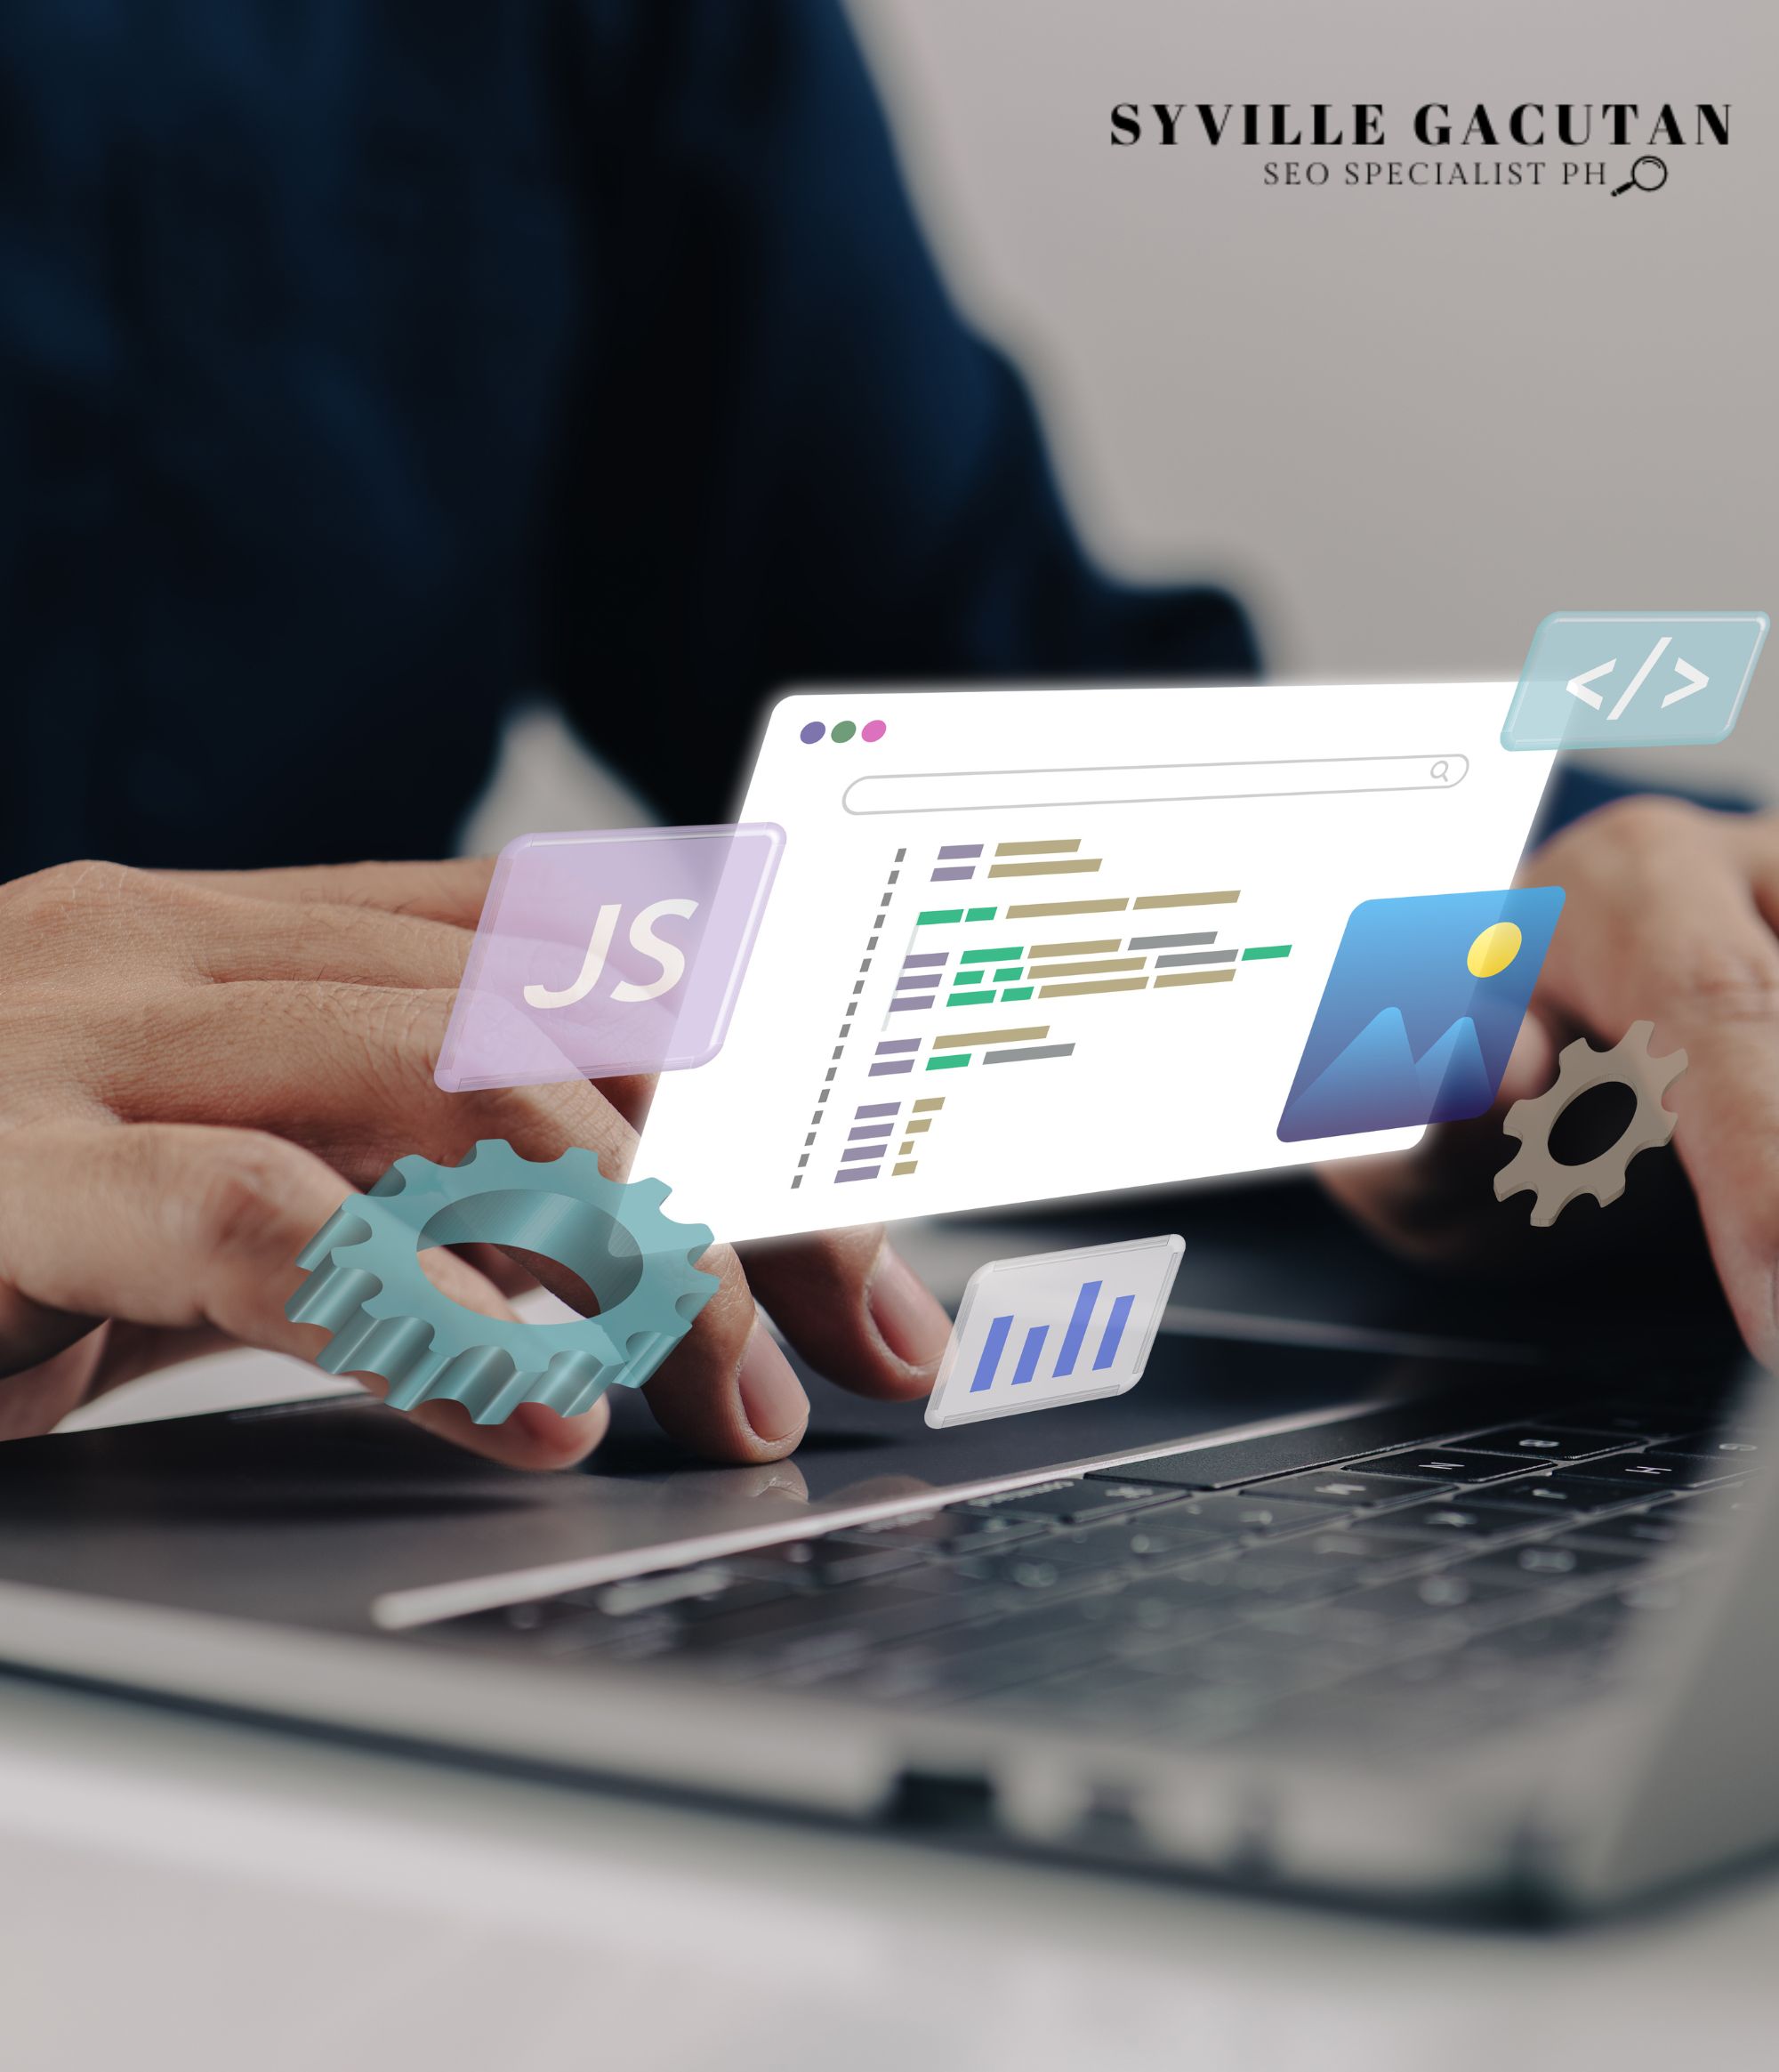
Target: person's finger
(1662, 924)
(345, 1070)
(185, 1228)
(727, 1390)
(450, 889)
(852, 1306)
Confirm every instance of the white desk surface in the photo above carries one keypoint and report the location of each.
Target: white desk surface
(181, 1892)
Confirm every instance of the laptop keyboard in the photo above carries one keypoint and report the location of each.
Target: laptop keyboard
(1348, 1580)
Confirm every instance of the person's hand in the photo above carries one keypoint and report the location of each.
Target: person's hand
(196, 1068)
(1670, 917)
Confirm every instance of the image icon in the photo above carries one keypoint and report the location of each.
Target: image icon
(1058, 1327)
(608, 952)
(1634, 680)
(1418, 1016)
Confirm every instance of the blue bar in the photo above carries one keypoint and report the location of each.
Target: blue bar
(1082, 1317)
(1114, 1331)
(984, 1377)
(1029, 1351)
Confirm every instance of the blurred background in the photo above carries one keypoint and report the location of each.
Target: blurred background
(1404, 424)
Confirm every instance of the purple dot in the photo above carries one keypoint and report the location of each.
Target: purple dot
(813, 731)
(871, 731)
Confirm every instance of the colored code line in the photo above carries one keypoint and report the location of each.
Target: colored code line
(1073, 949)
(1028, 1353)
(954, 848)
(968, 1038)
(1037, 848)
(859, 1173)
(933, 916)
(1197, 956)
(989, 1358)
(895, 1171)
(1196, 978)
(1173, 941)
(950, 873)
(870, 1130)
(1010, 971)
(1068, 907)
(888, 1071)
(878, 1107)
(1055, 867)
(1114, 1331)
(1091, 986)
(982, 912)
(926, 957)
(1271, 949)
(920, 1123)
(905, 1003)
(897, 1044)
(1152, 899)
(944, 1064)
(930, 1104)
(1018, 993)
(1027, 1053)
(856, 1151)
(1072, 970)
(1077, 1330)
(916, 981)
(996, 957)
(970, 1000)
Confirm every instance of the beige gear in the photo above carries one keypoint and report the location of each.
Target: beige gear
(1629, 1063)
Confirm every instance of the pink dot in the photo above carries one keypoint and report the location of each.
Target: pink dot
(871, 731)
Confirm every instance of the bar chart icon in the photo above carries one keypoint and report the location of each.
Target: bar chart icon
(1058, 1327)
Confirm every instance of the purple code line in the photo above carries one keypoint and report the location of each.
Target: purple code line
(903, 1005)
(924, 958)
(913, 981)
(959, 848)
(879, 1130)
(895, 1044)
(857, 1172)
(878, 1108)
(884, 1071)
(863, 1151)
(962, 870)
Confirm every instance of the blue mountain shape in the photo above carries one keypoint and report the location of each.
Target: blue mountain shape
(1378, 1083)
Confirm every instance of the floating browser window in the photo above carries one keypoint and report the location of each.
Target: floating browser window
(1634, 680)
(608, 952)
(1060, 1327)
(1045, 943)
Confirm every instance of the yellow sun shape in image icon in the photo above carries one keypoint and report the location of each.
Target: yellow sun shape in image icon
(1493, 950)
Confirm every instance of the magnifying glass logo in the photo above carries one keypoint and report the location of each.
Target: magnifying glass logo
(1440, 771)
(1656, 177)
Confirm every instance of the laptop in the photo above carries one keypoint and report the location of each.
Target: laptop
(1337, 1601)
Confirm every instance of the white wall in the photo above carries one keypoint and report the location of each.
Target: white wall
(1408, 423)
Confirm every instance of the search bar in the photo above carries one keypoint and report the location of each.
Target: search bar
(1149, 784)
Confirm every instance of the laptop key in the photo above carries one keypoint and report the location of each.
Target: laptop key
(1348, 1488)
(1656, 1469)
(1254, 1512)
(1454, 1464)
(940, 1532)
(821, 1563)
(1539, 1443)
(1556, 1560)
(1079, 1503)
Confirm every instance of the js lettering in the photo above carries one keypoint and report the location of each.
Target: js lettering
(667, 955)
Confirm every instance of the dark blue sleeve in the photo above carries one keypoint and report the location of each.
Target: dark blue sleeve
(798, 463)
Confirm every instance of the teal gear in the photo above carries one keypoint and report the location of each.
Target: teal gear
(367, 1285)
